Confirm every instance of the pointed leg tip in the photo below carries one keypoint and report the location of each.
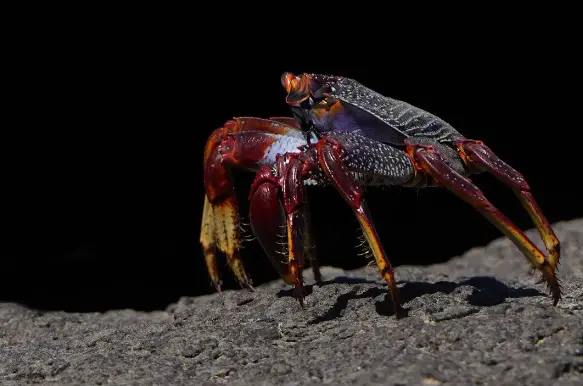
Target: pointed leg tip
(247, 284)
(300, 294)
(300, 299)
(557, 294)
(217, 285)
(302, 305)
(554, 286)
(401, 312)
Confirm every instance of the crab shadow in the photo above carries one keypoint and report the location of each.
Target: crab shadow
(486, 292)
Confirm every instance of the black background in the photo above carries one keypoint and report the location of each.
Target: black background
(102, 150)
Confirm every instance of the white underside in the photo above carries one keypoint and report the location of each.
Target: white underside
(284, 144)
(289, 143)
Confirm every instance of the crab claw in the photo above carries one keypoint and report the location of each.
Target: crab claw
(268, 222)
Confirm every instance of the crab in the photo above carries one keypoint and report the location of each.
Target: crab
(345, 135)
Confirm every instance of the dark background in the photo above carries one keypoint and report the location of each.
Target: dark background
(102, 152)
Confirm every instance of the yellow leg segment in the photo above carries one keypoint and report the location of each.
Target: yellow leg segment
(208, 242)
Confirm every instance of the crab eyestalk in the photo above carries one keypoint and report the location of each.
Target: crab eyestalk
(297, 87)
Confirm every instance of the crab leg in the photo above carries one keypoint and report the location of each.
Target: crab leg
(268, 221)
(330, 159)
(430, 161)
(479, 155)
(275, 196)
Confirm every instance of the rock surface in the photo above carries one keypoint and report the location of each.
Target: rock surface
(477, 319)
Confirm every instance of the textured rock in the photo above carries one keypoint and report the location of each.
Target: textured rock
(477, 319)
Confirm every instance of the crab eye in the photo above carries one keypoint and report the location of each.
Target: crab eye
(286, 80)
(297, 87)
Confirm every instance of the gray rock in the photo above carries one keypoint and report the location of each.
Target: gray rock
(477, 319)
